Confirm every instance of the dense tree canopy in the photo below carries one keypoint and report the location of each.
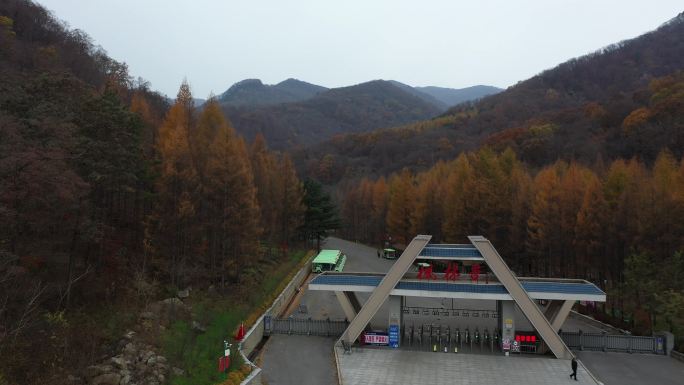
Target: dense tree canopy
(605, 224)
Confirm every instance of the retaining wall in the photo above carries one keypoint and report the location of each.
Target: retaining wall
(597, 323)
(256, 333)
(677, 355)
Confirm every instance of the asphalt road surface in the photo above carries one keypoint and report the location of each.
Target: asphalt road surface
(294, 360)
(633, 369)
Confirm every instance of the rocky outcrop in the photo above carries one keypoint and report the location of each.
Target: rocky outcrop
(136, 362)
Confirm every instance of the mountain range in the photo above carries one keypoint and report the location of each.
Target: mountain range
(294, 113)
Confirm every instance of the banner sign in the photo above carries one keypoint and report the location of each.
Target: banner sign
(375, 338)
(394, 336)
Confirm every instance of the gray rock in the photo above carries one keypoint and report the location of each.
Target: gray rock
(184, 293)
(177, 371)
(106, 379)
(130, 349)
(152, 360)
(148, 315)
(119, 361)
(196, 326)
(173, 302)
(129, 335)
(125, 379)
(96, 370)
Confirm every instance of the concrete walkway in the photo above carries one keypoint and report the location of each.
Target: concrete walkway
(385, 366)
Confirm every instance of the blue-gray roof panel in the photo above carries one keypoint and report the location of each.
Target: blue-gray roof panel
(530, 286)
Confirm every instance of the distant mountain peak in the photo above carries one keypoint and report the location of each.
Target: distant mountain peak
(253, 92)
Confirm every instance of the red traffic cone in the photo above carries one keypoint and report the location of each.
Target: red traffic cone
(241, 332)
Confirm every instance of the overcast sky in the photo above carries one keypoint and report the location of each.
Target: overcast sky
(215, 43)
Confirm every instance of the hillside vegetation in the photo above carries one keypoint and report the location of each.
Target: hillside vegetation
(111, 199)
(618, 224)
(578, 110)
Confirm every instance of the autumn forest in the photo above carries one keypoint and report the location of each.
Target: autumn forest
(114, 197)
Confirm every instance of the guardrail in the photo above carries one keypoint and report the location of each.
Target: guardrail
(256, 333)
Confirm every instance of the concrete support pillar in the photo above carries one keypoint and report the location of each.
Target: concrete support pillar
(395, 320)
(552, 308)
(347, 306)
(561, 315)
(507, 320)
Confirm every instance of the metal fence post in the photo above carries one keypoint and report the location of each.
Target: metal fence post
(605, 340)
(581, 340)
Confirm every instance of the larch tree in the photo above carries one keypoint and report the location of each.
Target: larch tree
(290, 199)
(230, 192)
(400, 207)
(543, 225)
(457, 207)
(590, 232)
(175, 207)
(264, 166)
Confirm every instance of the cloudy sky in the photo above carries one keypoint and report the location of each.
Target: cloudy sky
(215, 43)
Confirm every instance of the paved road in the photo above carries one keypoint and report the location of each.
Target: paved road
(633, 369)
(293, 360)
(360, 258)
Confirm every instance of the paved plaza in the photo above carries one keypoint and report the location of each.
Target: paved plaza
(400, 367)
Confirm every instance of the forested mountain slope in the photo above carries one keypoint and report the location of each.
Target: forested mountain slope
(111, 199)
(577, 110)
(359, 108)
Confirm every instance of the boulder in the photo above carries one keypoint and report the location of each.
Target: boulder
(196, 326)
(173, 302)
(148, 315)
(96, 370)
(130, 349)
(177, 371)
(119, 362)
(152, 360)
(125, 380)
(184, 293)
(106, 379)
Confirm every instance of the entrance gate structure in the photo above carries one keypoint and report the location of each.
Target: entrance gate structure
(509, 291)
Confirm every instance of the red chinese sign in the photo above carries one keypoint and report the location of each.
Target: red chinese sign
(475, 272)
(425, 272)
(452, 273)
